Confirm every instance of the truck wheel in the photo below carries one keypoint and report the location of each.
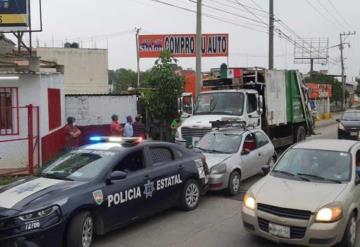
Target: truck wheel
(350, 235)
(81, 230)
(300, 134)
(190, 195)
(234, 183)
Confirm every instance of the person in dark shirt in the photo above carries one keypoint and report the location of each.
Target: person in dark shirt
(72, 134)
(139, 127)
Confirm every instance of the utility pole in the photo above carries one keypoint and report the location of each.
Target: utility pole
(343, 77)
(198, 47)
(271, 35)
(137, 31)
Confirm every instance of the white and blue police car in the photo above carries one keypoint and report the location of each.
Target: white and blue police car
(97, 188)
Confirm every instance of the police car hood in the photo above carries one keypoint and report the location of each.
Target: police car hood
(212, 159)
(34, 193)
(203, 121)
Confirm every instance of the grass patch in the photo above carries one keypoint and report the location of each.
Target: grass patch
(7, 180)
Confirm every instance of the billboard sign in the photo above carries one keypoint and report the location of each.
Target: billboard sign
(316, 91)
(183, 45)
(14, 15)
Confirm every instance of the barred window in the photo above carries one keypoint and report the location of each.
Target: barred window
(8, 111)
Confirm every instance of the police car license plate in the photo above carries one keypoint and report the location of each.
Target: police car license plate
(353, 133)
(279, 231)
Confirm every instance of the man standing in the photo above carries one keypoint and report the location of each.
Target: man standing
(128, 129)
(72, 134)
(115, 127)
(139, 127)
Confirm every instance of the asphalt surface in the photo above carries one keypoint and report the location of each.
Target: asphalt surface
(216, 222)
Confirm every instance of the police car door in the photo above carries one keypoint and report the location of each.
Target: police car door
(125, 200)
(167, 175)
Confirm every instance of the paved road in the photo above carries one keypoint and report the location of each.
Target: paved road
(217, 222)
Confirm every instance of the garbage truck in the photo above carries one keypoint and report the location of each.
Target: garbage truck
(274, 100)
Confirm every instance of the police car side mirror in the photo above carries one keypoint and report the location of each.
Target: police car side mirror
(118, 175)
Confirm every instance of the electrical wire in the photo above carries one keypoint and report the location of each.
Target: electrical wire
(333, 16)
(320, 13)
(210, 16)
(341, 16)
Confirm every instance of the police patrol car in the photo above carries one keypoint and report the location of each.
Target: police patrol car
(97, 188)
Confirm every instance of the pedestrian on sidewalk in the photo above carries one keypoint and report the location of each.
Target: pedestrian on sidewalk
(175, 124)
(115, 127)
(139, 128)
(72, 134)
(128, 129)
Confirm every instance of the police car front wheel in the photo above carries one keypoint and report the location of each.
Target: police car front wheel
(190, 195)
(81, 230)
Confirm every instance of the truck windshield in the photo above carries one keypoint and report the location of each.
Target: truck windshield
(228, 103)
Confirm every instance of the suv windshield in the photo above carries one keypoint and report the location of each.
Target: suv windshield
(231, 103)
(220, 143)
(78, 165)
(315, 165)
(351, 116)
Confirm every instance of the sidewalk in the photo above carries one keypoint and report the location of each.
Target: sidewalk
(327, 122)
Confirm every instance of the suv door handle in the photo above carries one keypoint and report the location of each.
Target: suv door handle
(181, 167)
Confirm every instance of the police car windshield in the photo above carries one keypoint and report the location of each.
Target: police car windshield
(229, 103)
(220, 143)
(80, 165)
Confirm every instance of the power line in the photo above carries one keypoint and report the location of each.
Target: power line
(341, 16)
(320, 13)
(247, 6)
(248, 9)
(333, 16)
(235, 6)
(209, 16)
(231, 13)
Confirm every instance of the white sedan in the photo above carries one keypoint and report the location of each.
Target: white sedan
(234, 155)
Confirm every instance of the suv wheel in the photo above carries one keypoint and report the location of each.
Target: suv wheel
(350, 235)
(234, 183)
(81, 230)
(190, 195)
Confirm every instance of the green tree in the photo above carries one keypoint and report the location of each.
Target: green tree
(167, 87)
(125, 78)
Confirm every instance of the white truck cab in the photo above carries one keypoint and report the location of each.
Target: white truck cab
(237, 104)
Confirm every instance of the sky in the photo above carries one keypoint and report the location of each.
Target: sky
(111, 24)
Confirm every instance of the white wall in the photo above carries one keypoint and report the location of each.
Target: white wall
(32, 89)
(86, 70)
(97, 110)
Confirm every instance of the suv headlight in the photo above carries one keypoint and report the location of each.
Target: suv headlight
(249, 201)
(54, 210)
(218, 169)
(329, 214)
(341, 126)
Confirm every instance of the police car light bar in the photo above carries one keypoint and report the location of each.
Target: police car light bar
(123, 140)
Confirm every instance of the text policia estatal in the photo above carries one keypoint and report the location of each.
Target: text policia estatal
(149, 188)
